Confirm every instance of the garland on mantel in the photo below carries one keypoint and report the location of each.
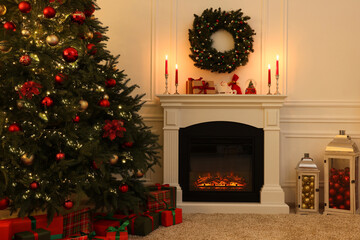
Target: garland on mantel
(210, 21)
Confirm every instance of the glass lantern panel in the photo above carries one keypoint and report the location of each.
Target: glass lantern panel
(339, 183)
(357, 185)
(308, 192)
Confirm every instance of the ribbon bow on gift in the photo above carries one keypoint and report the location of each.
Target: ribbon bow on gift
(192, 79)
(233, 84)
(204, 87)
(121, 228)
(159, 186)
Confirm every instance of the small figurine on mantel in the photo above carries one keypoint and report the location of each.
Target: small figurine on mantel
(251, 88)
(233, 84)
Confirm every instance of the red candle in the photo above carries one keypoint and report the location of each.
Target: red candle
(269, 75)
(176, 75)
(277, 64)
(166, 65)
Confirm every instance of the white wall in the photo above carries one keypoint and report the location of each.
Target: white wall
(318, 45)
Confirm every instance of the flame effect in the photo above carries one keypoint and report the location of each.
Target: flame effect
(220, 183)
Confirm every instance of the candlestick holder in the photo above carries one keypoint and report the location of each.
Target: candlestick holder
(176, 86)
(166, 84)
(269, 93)
(277, 85)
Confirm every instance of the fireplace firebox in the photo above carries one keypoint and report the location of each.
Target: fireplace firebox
(221, 162)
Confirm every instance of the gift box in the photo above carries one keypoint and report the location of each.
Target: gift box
(6, 229)
(189, 86)
(158, 200)
(77, 222)
(143, 224)
(35, 222)
(152, 202)
(203, 87)
(171, 217)
(37, 234)
(118, 233)
(101, 226)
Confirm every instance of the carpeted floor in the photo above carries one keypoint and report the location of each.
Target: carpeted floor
(252, 226)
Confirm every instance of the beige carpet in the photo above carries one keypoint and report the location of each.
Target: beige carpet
(252, 226)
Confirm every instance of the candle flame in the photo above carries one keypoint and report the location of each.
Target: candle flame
(166, 57)
(176, 66)
(277, 57)
(269, 66)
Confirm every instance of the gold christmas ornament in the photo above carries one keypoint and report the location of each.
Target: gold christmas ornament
(106, 96)
(89, 35)
(2, 10)
(20, 103)
(27, 160)
(52, 40)
(304, 205)
(306, 189)
(114, 159)
(5, 47)
(25, 32)
(43, 117)
(83, 105)
(139, 174)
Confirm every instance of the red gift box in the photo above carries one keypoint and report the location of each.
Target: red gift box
(101, 226)
(114, 235)
(6, 229)
(34, 222)
(157, 200)
(77, 222)
(171, 217)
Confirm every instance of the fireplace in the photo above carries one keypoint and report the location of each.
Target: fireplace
(258, 189)
(221, 162)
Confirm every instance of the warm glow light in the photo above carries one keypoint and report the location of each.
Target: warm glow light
(176, 66)
(166, 57)
(277, 57)
(269, 66)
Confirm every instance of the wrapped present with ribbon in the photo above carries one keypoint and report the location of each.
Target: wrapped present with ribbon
(233, 84)
(118, 233)
(37, 234)
(34, 222)
(101, 226)
(144, 223)
(77, 222)
(82, 236)
(156, 200)
(6, 229)
(171, 217)
(203, 87)
(189, 85)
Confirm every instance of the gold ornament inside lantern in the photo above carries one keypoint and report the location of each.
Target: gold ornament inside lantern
(341, 176)
(307, 186)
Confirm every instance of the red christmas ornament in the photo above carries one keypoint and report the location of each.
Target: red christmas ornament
(47, 101)
(25, 60)
(339, 198)
(341, 190)
(113, 129)
(29, 89)
(68, 204)
(34, 185)
(124, 188)
(128, 144)
(60, 78)
(342, 206)
(4, 203)
(110, 83)
(104, 103)
(331, 184)
(24, 7)
(341, 173)
(60, 156)
(10, 26)
(14, 128)
(335, 178)
(347, 170)
(346, 179)
(78, 17)
(91, 49)
(347, 204)
(332, 192)
(333, 171)
(49, 12)
(89, 12)
(336, 186)
(97, 36)
(331, 200)
(76, 119)
(70, 54)
(347, 194)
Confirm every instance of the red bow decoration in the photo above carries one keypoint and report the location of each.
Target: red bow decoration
(113, 129)
(204, 87)
(159, 186)
(29, 89)
(191, 79)
(233, 84)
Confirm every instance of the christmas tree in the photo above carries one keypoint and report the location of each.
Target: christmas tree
(69, 124)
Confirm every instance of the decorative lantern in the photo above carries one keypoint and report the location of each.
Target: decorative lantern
(341, 176)
(307, 186)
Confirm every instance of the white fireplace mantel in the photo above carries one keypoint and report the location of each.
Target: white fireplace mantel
(261, 111)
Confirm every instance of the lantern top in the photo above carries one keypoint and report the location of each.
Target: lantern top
(342, 143)
(307, 163)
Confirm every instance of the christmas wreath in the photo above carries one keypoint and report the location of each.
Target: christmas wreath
(210, 21)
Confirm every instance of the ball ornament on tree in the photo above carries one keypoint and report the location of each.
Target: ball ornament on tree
(25, 60)
(128, 144)
(70, 54)
(339, 198)
(60, 156)
(10, 26)
(90, 11)
(2, 10)
(4, 203)
(52, 40)
(89, 35)
(34, 185)
(346, 179)
(68, 204)
(92, 50)
(124, 188)
(110, 83)
(104, 103)
(114, 159)
(24, 7)
(5, 46)
(97, 36)
(76, 119)
(47, 102)
(332, 192)
(27, 160)
(25, 33)
(49, 12)
(78, 17)
(83, 105)
(60, 78)
(139, 174)
(14, 128)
